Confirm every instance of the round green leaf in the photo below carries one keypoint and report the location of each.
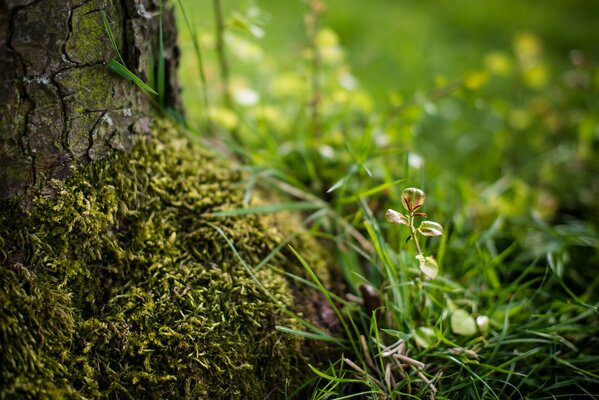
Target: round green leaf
(462, 323)
(424, 336)
(430, 228)
(428, 266)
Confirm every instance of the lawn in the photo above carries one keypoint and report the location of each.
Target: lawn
(491, 109)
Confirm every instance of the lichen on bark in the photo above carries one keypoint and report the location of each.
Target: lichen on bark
(118, 285)
(61, 108)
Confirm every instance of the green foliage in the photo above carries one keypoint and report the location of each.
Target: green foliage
(412, 200)
(492, 113)
(117, 284)
(120, 68)
(502, 138)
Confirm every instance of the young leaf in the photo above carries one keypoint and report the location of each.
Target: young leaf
(430, 228)
(462, 323)
(395, 217)
(412, 199)
(428, 266)
(424, 336)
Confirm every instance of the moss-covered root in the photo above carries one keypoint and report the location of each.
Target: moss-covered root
(118, 286)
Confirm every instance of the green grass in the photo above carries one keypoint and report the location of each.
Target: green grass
(491, 109)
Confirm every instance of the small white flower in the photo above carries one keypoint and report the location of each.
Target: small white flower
(246, 97)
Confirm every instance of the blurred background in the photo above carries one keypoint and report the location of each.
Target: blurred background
(491, 107)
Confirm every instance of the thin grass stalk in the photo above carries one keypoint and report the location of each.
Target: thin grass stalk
(312, 19)
(200, 60)
(224, 65)
(222, 55)
(161, 84)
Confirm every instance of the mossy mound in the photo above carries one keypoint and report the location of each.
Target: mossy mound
(118, 285)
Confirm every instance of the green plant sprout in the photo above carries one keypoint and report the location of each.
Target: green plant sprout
(412, 200)
(119, 65)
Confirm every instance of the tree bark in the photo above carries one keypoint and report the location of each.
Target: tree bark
(121, 281)
(60, 106)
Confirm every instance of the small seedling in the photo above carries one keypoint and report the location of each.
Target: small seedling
(413, 200)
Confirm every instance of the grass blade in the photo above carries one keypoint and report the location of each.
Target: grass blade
(111, 36)
(327, 295)
(198, 53)
(269, 209)
(308, 335)
(278, 302)
(370, 192)
(161, 84)
(127, 74)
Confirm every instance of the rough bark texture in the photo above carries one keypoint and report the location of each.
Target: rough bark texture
(118, 279)
(60, 106)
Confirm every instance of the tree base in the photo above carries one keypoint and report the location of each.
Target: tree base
(117, 284)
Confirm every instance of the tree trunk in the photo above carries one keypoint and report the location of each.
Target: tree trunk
(118, 279)
(60, 106)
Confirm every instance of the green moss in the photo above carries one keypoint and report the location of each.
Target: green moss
(118, 286)
(87, 42)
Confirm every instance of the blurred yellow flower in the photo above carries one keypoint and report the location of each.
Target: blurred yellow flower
(475, 79)
(536, 77)
(223, 117)
(528, 48)
(498, 63)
